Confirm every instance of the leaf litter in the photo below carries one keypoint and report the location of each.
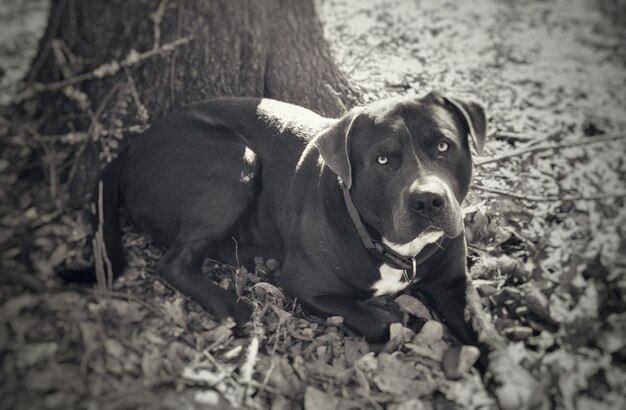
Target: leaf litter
(551, 273)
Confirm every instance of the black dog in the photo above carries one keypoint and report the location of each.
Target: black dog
(355, 207)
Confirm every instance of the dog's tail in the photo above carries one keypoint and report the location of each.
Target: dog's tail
(109, 259)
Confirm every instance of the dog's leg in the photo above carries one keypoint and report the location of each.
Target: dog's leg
(232, 252)
(459, 307)
(365, 320)
(451, 294)
(181, 267)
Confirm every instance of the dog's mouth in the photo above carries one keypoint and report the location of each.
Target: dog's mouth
(431, 229)
(406, 225)
(450, 229)
(421, 230)
(416, 245)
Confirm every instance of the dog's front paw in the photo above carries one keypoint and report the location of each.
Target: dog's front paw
(513, 385)
(242, 312)
(376, 327)
(239, 310)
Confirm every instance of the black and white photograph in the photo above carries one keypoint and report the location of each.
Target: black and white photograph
(313, 204)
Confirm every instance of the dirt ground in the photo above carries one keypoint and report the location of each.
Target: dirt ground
(546, 226)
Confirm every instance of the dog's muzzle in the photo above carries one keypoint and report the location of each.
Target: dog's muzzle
(432, 202)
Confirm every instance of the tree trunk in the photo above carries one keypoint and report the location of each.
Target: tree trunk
(106, 69)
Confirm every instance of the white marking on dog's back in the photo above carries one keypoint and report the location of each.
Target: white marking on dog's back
(392, 280)
(247, 171)
(249, 156)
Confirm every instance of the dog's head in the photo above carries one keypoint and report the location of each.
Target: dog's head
(407, 162)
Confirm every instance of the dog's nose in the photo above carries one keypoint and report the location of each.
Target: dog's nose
(428, 203)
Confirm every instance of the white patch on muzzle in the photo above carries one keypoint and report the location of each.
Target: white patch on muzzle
(416, 245)
(392, 280)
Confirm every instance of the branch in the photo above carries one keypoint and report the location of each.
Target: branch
(529, 139)
(357, 61)
(78, 136)
(104, 70)
(508, 135)
(550, 198)
(336, 95)
(157, 18)
(545, 147)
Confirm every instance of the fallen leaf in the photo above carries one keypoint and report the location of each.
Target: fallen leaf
(411, 404)
(431, 332)
(151, 365)
(413, 306)
(34, 353)
(335, 320)
(175, 311)
(114, 348)
(65, 377)
(202, 375)
(514, 387)
(14, 306)
(129, 311)
(218, 333)
(284, 378)
(207, 397)
(315, 399)
(393, 383)
(458, 360)
(399, 335)
(354, 349)
(265, 290)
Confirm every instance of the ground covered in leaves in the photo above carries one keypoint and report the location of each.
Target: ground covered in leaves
(546, 225)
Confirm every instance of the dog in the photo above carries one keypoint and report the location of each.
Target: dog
(355, 207)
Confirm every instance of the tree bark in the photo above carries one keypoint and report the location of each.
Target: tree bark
(106, 69)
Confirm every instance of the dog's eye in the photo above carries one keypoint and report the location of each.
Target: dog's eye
(382, 159)
(443, 146)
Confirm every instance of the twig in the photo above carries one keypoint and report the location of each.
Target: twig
(247, 368)
(104, 70)
(157, 18)
(236, 251)
(230, 377)
(546, 147)
(545, 137)
(338, 101)
(142, 111)
(82, 135)
(179, 24)
(49, 159)
(550, 198)
(359, 59)
(508, 135)
(94, 128)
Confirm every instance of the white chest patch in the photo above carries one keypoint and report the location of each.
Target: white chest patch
(392, 280)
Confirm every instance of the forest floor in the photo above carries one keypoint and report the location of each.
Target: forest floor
(546, 225)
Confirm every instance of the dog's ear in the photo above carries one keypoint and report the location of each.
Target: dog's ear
(473, 115)
(334, 147)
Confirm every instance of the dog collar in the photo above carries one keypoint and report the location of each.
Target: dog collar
(387, 255)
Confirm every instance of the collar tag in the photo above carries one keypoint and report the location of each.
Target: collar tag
(405, 274)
